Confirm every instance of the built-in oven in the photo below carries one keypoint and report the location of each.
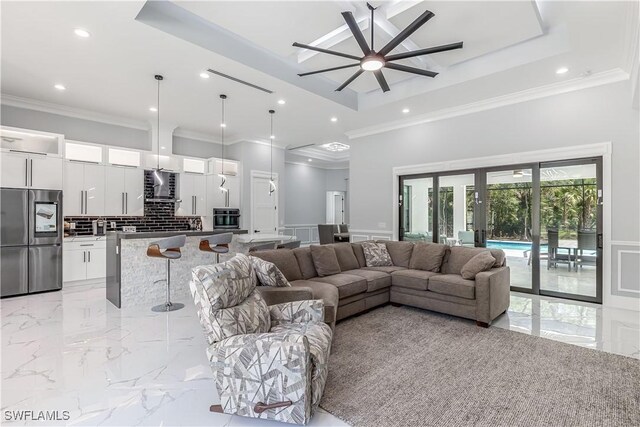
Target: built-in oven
(226, 219)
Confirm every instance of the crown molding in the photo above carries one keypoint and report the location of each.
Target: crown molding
(63, 110)
(598, 79)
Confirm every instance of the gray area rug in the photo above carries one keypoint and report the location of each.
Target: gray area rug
(399, 366)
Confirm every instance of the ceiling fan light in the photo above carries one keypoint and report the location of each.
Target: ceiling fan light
(518, 173)
(372, 63)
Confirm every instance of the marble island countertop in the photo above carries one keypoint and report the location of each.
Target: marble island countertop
(161, 234)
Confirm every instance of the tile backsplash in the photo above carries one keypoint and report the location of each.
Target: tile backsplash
(158, 216)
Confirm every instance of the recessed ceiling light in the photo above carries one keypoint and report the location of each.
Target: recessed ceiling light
(223, 125)
(204, 75)
(281, 101)
(272, 137)
(162, 148)
(82, 33)
(405, 110)
(60, 87)
(309, 160)
(334, 119)
(153, 109)
(562, 70)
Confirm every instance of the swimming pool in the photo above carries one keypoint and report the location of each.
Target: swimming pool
(503, 244)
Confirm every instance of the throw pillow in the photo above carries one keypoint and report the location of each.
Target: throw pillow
(480, 262)
(346, 258)
(427, 256)
(268, 274)
(376, 254)
(325, 260)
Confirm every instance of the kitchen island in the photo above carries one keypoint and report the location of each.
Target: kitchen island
(131, 273)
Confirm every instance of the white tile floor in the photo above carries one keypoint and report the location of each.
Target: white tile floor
(73, 351)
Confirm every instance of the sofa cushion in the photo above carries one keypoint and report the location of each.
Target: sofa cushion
(347, 284)
(427, 256)
(346, 258)
(325, 260)
(376, 254)
(454, 285)
(305, 262)
(284, 259)
(359, 253)
(375, 279)
(326, 292)
(480, 262)
(414, 279)
(400, 252)
(386, 269)
(268, 274)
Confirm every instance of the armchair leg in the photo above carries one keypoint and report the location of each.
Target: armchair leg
(482, 324)
(216, 408)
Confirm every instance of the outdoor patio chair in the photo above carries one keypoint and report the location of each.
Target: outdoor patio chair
(586, 243)
(554, 256)
(466, 238)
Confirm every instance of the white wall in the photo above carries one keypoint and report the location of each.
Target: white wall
(588, 116)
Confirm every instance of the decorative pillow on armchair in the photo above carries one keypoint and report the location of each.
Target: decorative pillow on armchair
(268, 274)
(376, 254)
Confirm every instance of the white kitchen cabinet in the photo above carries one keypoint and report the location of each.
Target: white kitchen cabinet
(23, 170)
(84, 189)
(85, 259)
(215, 197)
(233, 184)
(124, 191)
(193, 195)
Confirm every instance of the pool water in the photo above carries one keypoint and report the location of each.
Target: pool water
(502, 244)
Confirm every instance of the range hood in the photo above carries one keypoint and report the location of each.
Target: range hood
(162, 187)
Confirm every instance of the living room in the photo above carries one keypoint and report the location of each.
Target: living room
(170, 172)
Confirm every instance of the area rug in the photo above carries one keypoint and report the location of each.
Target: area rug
(399, 366)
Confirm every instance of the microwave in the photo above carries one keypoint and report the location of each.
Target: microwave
(226, 219)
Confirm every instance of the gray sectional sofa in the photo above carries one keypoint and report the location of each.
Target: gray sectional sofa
(422, 275)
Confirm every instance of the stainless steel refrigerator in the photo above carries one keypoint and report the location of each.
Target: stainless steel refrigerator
(31, 233)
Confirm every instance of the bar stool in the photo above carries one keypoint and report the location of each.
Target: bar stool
(218, 244)
(168, 249)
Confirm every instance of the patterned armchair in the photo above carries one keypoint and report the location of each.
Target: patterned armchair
(269, 362)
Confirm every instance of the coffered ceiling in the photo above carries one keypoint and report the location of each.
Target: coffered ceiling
(509, 47)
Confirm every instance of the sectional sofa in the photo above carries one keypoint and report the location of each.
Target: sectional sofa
(423, 275)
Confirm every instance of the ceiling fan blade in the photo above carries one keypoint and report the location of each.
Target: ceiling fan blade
(410, 69)
(357, 34)
(419, 22)
(381, 80)
(426, 51)
(330, 52)
(329, 69)
(350, 79)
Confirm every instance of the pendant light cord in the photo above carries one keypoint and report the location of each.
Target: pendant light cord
(222, 126)
(158, 129)
(271, 136)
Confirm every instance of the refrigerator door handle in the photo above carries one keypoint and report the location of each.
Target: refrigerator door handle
(81, 202)
(31, 174)
(126, 203)
(26, 172)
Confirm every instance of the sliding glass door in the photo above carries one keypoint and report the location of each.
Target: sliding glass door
(547, 217)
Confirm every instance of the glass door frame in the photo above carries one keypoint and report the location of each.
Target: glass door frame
(480, 216)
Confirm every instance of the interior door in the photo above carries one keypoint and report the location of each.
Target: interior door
(263, 207)
(94, 185)
(45, 172)
(114, 191)
(14, 170)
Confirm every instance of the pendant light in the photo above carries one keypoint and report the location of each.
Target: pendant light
(222, 126)
(272, 184)
(156, 173)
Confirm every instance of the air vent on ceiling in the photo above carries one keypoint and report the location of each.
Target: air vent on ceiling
(299, 147)
(226, 76)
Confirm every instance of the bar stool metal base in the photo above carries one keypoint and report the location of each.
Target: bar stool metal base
(167, 306)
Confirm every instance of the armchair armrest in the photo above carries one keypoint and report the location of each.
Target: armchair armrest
(242, 363)
(277, 295)
(297, 312)
(492, 293)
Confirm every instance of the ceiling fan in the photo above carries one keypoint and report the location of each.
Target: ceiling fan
(375, 61)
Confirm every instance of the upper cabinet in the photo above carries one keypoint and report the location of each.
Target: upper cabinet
(192, 194)
(84, 189)
(30, 170)
(124, 191)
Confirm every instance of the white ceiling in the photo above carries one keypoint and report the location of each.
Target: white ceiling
(508, 47)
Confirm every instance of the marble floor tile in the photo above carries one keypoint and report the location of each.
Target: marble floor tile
(74, 351)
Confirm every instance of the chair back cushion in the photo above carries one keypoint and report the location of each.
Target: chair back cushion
(226, 299)
(305, 262)
(268, 274)
(427, 256)
(346, 258)
(284, 259)
(400, 252)
(376, 254)
(325, 260)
